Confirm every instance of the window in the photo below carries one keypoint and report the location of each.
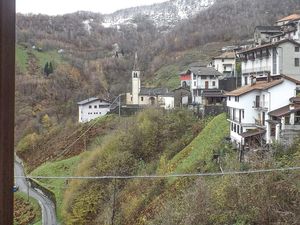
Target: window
(90, 106)
(223, 60)
(238, 129)
(243, 114)
(95, 106)
(203, 77)
(237, 98)
(246, 80)
(231, 126)
(234, 128)
(142, 98)
(195, 83)
(214, 83)
(229, 98)
(297, 49)
(297, 62)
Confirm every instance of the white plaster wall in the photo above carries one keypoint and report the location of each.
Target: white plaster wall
(169, 102)
(246, 103)
(87, 114)
(136, 87)
(281, 94)
(219, 65)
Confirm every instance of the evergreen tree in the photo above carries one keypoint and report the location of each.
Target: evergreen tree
(50, 68)
(46, 69)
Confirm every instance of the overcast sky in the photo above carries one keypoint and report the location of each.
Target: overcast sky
(55, 7)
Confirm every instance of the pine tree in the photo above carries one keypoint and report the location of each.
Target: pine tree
(50, 68)
(46, 69)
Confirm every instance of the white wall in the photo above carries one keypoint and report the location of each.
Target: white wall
(281, 94)
(219, 65)
(87, 114)
(136, 86)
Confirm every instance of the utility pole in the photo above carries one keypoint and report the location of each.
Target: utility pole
(7, 102)
(114, 202)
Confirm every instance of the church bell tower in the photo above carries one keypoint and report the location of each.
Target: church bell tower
(136, 82)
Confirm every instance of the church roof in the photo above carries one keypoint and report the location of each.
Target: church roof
(154, 91)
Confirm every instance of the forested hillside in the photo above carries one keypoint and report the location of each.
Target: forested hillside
(153, 143)
(88, 59)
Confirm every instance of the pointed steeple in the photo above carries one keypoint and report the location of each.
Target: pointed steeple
(135, 66)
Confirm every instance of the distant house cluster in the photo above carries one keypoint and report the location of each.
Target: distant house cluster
(266, 108)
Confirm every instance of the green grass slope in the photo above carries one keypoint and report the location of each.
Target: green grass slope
(59, 168)
(202, 148)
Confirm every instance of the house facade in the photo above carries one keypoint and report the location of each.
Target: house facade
(225, 63)
(92, 108)
(250, 106)
(263, 34)
(201, 79)
(275, 58)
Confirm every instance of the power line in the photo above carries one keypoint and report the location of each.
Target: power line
(74, 142)
(163, 176)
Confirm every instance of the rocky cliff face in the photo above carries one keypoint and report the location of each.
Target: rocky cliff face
(164, 15)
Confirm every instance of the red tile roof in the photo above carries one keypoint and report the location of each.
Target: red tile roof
(290, 17)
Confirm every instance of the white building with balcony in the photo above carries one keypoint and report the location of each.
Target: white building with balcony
(275, 58)
(249, 108)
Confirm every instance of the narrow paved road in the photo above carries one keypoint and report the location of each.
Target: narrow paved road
(47, 206)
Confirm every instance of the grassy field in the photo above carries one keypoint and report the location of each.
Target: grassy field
(60, 168)
(47, 56)
(21, 58)
(199, 153)
(26, 212)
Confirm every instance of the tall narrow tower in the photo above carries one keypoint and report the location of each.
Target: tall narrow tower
(136, 82)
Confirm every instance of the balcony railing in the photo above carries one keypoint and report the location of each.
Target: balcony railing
(260, 105)
(257, 70)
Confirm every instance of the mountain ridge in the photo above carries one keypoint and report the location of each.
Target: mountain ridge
(164, 15)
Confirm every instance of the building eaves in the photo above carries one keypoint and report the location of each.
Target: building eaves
(258, 86)
(205, 71)
(274, 44)
(90, 100)
(285, 110)
(290, 17)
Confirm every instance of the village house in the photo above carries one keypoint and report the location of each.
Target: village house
(203, 83)
(256, 110)
(275, 58)
(285, 122)
(142, 96)
(288, 19)
(92, 108)
(263, 34)
(290, 28)
(225, 63)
